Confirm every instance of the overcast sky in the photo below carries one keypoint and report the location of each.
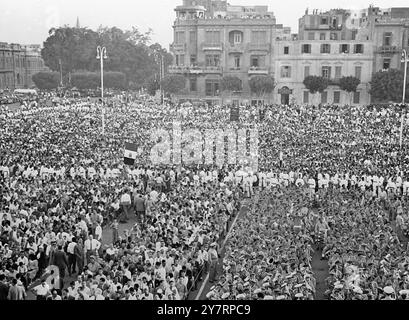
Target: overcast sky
(28, 21)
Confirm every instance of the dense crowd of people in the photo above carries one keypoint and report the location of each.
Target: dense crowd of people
(328, 175)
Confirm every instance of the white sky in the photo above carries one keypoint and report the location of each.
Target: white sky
(28, 21)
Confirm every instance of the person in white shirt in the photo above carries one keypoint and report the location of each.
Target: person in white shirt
(91, 247)
(126, 204)
(42, 291)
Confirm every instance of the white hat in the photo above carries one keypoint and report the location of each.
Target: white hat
(210, 294)
(225, 295)
(269, 298)
(357, 290)
(241, 296)
(159, 291)
(280, 298)
(299, 295)
(388, 290)
(258, 290)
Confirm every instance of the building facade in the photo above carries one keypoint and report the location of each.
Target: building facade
(18, 64)
(213, 39)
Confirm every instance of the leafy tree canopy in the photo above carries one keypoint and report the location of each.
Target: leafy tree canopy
(316, 84)
(46, 80)
(261, 85)
(388, 86)
(349, 84)
(129, 52)
(231, 83)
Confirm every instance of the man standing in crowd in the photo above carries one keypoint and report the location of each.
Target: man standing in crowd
(213, 260)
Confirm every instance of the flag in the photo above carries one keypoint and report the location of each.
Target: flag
(131, 151)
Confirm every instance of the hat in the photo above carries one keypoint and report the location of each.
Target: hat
(159, 291)
(388, 290)
(280, 298)
(209, 294)
(299, 295)
(241, 296)
(225, 295)
(258, 290)
(270, 298)
(213, 244)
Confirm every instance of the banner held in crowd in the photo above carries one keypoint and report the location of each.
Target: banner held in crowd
(131, 151)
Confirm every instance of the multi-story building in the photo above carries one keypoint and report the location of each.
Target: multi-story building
(214, 39)
(390, 33)
(331, 45)
(17, 65)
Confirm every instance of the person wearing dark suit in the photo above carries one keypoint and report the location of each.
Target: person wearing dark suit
(79, 255)
(60, 260)
(4, 288)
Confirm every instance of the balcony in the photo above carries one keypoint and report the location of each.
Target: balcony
(388, 49)
(212, 46)
(185, 70)
(258, 71)
(258, 47)
(235, 48)
(212, 70)
(178, 47)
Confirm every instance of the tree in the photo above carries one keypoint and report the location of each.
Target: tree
(349, 84)
(173, 84)
(230, 84)
(129, 52)
(46, 80)
(92, 80)
(387, 86)
(262, 85)
(316, 84)
(152, 85)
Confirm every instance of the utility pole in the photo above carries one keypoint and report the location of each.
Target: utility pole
(61, 84)
(405, 60)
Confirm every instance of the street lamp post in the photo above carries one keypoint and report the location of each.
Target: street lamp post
(405, 60)
(101, 55)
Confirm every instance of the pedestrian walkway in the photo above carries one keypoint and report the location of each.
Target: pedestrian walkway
(321, 273)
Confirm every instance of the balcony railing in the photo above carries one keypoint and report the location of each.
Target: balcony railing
(258, 47)
(388, 49)
(212, 46)
(235, 48)
(194, 70)
(258, 70)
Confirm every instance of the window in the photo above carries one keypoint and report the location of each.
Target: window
(193, 59)
(212, 60)
(356, 97)
(324, 20)
(212, 37)
(258, 37)
(311, 35)
(337, 96)
(180, 59)
(358, 48)
(193, 37)
(305, 97)
(338, 70)
(326, 72)
(344, 48)
(358, 71)
(325, 48)
(387, 38)
(386, 63)
(237, 38)
(306, 71)
(354, 33)
(237, 62)
(257, 61)
(286, 50)
(324, 97)
(193, 84)
(322, 36)
(306, 48)
(285, 72)
(333, 36)
(180, 37)
(212, 88)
